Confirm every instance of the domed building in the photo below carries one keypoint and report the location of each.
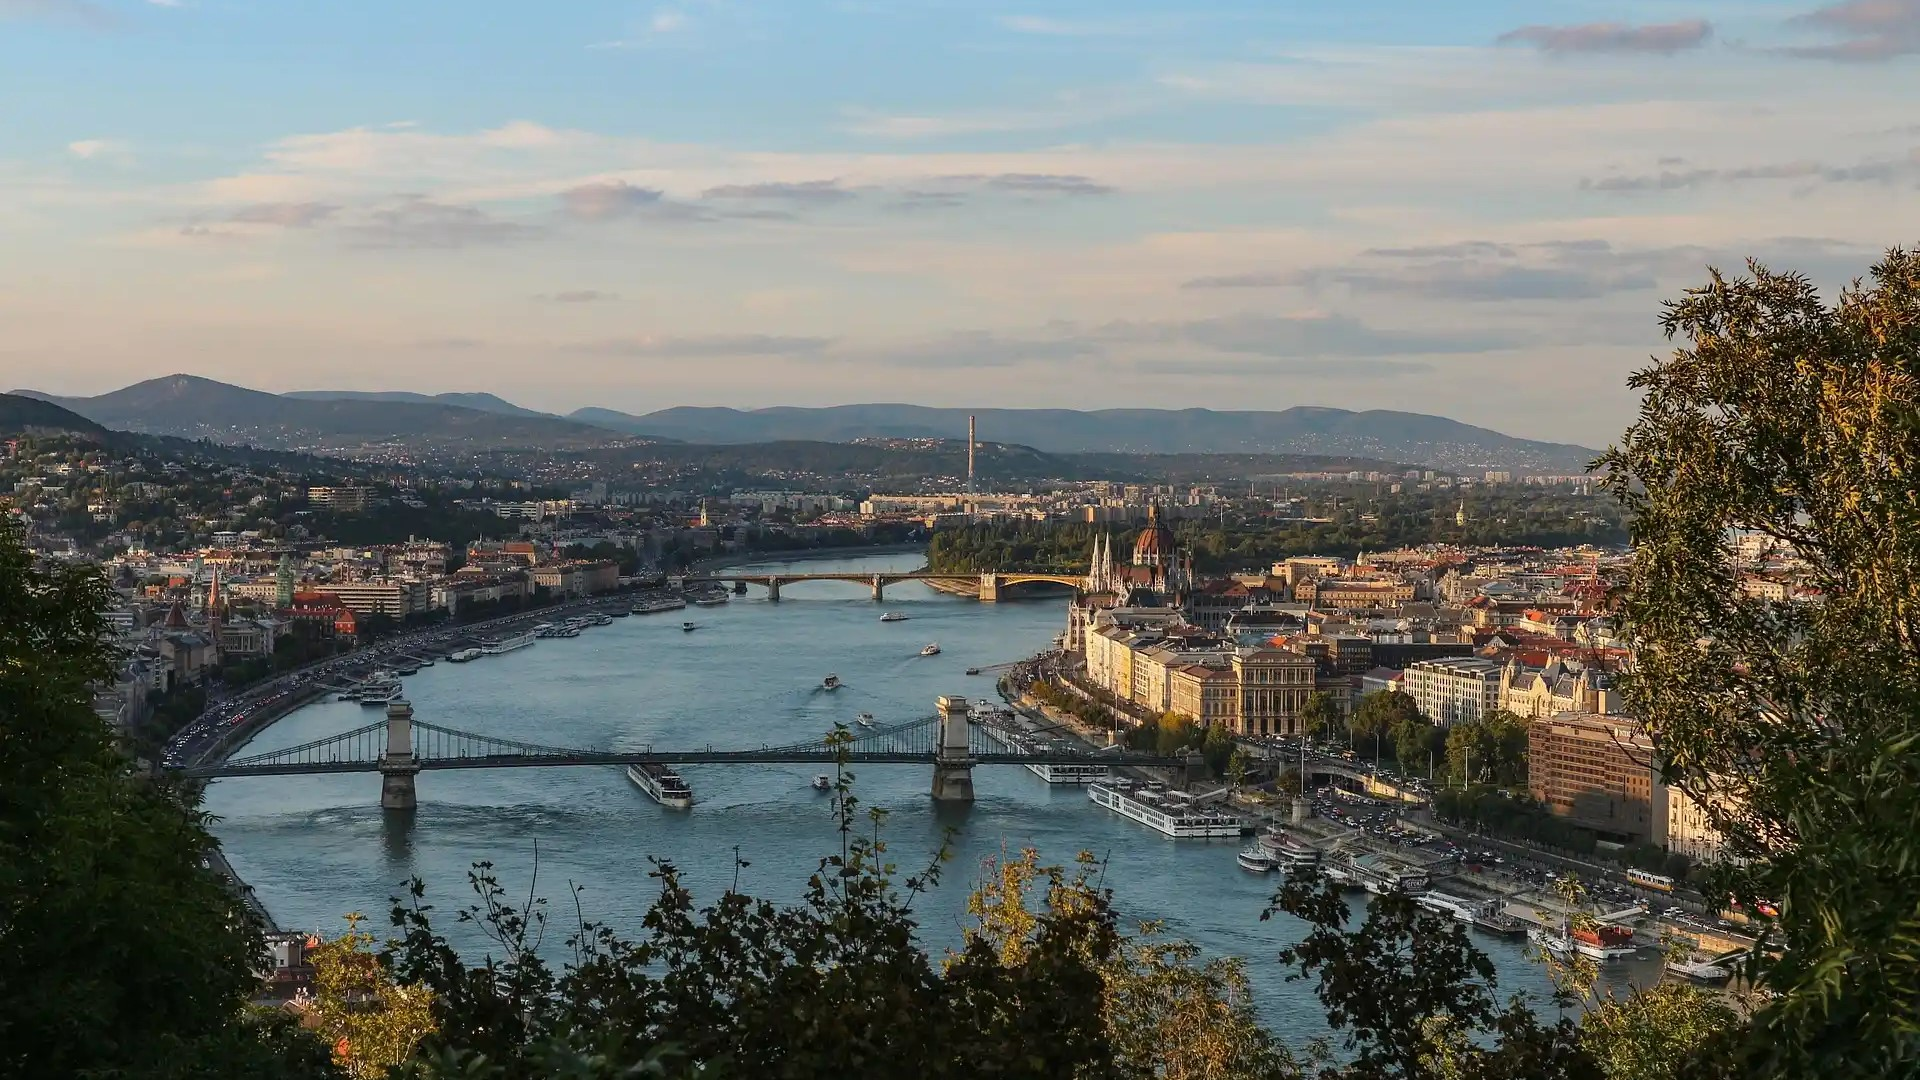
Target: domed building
(1159, 576)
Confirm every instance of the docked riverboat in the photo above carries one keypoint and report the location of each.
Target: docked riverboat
(1255, 860)
(1290, 852)
(1169, 813)
(1703, 967)
(496, 646)
(663, 784)
(462, 656)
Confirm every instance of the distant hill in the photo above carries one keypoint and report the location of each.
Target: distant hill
(29, 415)
(1376, 434)
(478, 401)
(192, 407)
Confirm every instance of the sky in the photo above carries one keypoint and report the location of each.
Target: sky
(1473, 209)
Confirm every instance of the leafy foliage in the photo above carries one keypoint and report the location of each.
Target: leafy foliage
(120, 954)
(1795, 725)
(1490, 750)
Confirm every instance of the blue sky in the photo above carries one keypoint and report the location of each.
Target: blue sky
(1472, 209)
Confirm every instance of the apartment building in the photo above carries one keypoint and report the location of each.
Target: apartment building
(1455, 690)
(394, 599)
(347, 500)
(1597, 771)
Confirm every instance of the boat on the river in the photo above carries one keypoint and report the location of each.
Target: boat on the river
(823, 782)
(1169, 813)
(893, 616)
(663, 784)
(932, 649)
(688, 628)
(831, 682)
(462, 656)
(973, 671)
(865, 719)
(496, 646)
(1704, 967)
(1255, 860)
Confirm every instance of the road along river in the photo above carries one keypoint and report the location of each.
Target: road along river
(317, 847)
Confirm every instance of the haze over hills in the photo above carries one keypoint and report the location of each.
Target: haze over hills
(194, 407)
(1378, 434)
(197, 408)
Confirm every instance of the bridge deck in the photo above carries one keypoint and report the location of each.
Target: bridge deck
(710, 757)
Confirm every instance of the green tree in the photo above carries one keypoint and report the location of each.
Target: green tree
(1794, 724)
(120, 955)
(1490, 750)
(1318, 714)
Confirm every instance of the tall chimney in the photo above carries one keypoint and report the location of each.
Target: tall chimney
(969, 453)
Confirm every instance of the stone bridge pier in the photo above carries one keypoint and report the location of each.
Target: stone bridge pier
(398, 767)
(989, 588)
(952, 761)
(773, 589)
(879, 588)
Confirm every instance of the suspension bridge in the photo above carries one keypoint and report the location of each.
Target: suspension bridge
(400, 747)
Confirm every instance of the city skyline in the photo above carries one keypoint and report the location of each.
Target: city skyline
(1472, 212)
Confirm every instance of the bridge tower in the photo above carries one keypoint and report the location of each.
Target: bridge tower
(879, 588)
(773, 589)
(989, 588)
(952, 762)
(398, 766)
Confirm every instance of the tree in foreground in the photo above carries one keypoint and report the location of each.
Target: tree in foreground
(120, 953)
(1797, 725)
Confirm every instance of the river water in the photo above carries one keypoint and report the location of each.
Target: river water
(317, 847)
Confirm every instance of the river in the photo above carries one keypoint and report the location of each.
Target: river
(317, 847)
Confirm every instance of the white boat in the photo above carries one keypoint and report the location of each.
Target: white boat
(1255, 860)
(687, 628)
(665, 785)
(823, 782)
(1380, 874)
(463, 656)
(600, 619)
(865, 719)
(1070, 774)
(1169, 813)
(1701, 967)
(496, 646)
(932, 649)
(831, 682)
(1291, 852)
(715, 600)
(379, 699)
(893, 616)
(1601, 942)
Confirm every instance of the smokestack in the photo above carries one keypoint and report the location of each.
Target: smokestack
(969, 453)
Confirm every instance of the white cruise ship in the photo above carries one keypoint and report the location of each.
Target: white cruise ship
(1070, 774)
(663, 784)
(496, 646)
(1169, 813)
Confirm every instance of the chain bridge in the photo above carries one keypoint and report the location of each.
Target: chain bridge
(400, 747)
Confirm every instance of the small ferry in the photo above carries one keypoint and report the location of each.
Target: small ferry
(893, 616)
(496, 646)
(599, 618)
(380, 698)
(688, 628)
(1705, 968)
(823, 782)
(865, 719)
(1601, 942)
(973, 671)
(550, 631)
(1379, 874)
(463, 656)
(831, 682)
(711, 600)
(1255, 860)
(663, 784)
(1290, 851)
(1169, 813)
(932, 649)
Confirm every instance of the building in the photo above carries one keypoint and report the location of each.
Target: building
(1353, 594)
(1689, 829)
(346, 500)
(1454, 690)
(1554, 689)
(1273, 686)
(579, 578)
(1596, 771)
(394, 599)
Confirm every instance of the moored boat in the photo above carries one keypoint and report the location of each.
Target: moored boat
(496, 646)
(1169, 813)
(1255, 860)
(462, 656)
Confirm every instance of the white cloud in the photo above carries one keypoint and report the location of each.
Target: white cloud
(96, 149)
(667, 21)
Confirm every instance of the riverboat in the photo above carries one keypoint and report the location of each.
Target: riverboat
(1600, 942)
(1380, 874)
(1070, 774)
(688, 628)
(663, 784)
(715, 600)
(865, 719)
(1255, 860)
(1169, 813)
(1291, 852)
(1707, 968)
(600, 618)
(932, 649)
(462, 656)
(823, 782)
(893, 616)
(496, 646)
(831, 682)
